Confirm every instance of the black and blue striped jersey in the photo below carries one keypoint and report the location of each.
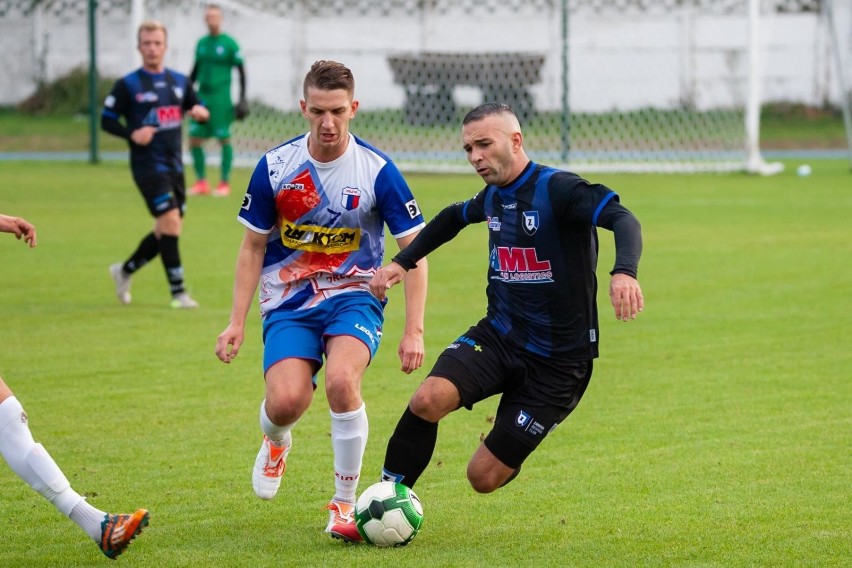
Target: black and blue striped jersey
(150, 99)
(542, 252)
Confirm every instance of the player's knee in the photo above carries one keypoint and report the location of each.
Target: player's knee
(434, 399)
(482, 481)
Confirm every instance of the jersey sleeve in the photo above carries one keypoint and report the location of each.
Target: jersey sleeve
(190, 97)
(258, 208)
(116, 105)
(578, 200)
(397, 205)
(237, 54)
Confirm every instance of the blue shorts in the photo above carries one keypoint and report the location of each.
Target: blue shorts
(302, 334)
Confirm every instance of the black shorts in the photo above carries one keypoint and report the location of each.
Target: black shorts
(162, 192)
(538, 392)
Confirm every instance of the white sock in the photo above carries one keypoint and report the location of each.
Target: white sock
(34, 465)
(278, 435)
(348, 440)
(89, 518)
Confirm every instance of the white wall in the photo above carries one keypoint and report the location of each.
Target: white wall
(616, 62)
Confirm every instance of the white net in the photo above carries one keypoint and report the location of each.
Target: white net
(639, 85)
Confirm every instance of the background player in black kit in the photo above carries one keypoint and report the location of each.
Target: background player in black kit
(539, 337)
(152, 101)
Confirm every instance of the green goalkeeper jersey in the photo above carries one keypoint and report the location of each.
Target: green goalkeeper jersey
(215, 57)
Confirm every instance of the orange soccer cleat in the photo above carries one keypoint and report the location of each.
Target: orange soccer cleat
(118, 530)
(341, 522)
(201, 187)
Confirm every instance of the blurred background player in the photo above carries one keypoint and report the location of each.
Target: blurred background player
(34, 465)
(314, 217)
(215, 56)
(152, 100)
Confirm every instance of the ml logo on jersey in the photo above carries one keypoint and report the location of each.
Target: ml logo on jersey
(494, 223)
(351, 198)
(520, 264)
(164, 117)
(530, 222)
(314, 238)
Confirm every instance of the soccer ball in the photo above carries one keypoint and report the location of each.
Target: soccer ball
(388, 514)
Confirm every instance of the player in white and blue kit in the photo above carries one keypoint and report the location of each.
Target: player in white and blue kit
(314, 214)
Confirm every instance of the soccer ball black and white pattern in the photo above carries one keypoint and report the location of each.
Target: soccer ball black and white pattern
(388, 514)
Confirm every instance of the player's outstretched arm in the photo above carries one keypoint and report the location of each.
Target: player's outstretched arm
(20, 227)
(412, 349)
(626, 296)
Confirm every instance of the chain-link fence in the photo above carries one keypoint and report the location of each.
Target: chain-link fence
(600, 83)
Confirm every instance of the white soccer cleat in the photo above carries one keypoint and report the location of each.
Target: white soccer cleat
(269, 468)
(122, 282)
(183, 301)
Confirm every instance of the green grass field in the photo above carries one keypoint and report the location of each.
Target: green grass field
(716, 431)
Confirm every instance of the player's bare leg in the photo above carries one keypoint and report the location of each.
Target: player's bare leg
(486, 473)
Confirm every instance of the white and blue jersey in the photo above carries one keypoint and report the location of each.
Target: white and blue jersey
(325, 221)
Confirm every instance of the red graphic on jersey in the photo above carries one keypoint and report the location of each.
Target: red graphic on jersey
(520, 259)
(297, 197)
(169, 116)
(311, 264)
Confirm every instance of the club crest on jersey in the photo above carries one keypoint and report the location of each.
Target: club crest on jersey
(351, 198)
(531, 221)
(178, 92)
(529, 425)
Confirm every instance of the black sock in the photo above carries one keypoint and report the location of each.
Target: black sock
(171, 262)
(147, 251)
(409, 449)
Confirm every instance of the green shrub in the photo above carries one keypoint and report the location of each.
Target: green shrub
(67, 95)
